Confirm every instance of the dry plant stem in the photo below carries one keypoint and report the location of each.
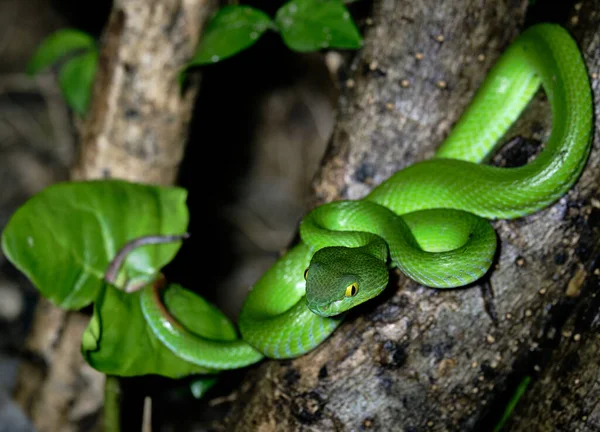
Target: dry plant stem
(425, 359)
(136, 130)
(112, 271)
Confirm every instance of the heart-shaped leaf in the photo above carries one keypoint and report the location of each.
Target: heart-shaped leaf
(118, 340)
(58, 45)
(232, 29)
(63, 238)
(76, 79)
(197, 315)
(309, 25)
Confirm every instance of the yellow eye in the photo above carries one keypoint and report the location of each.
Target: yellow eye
(306, 273)
(352, 290)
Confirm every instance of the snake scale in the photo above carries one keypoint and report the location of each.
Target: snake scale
(430, 219)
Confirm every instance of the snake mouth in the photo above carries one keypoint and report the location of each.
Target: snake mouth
(325, 310)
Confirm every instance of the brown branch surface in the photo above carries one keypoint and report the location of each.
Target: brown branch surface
(566, 393)
(423, 359)
(138, 123)
(136, 130)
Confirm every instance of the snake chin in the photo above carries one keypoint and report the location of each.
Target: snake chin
(338, 307)
(326, 310)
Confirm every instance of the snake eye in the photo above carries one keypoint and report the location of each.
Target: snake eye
(306, 273)
(351, 290)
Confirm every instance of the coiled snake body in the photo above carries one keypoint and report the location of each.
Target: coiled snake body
(429, 219)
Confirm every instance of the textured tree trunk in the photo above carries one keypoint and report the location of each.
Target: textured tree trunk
(565, 395)
(136, 130)
(138, 124)
(423, 359)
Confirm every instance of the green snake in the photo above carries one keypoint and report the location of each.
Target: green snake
(430, 220)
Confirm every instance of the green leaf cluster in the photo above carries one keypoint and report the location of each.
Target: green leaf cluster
(304, 25)
(77, 54)
(119, 342)
(63, 240)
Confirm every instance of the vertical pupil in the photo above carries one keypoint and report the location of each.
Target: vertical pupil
(351, 290)
(305, 273)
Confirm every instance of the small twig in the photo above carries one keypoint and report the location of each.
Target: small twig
(113, 269)
(147, 415)
(223, 399)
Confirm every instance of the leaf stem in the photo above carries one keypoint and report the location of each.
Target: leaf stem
(112, 404)
(112, 271)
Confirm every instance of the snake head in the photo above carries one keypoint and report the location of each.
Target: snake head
(340, 278)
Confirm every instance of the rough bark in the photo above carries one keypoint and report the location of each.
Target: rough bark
(136, 130)
(566, 393)
(138, 123)
(423, 359)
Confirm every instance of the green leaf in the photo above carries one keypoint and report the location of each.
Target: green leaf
(309, 25)
(119, 342)
(187, 307)
(512, 404)
(56, 46)
(76, 80)
(64, 237)
(232, 29)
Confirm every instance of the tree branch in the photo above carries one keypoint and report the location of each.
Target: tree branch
(419, 358)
